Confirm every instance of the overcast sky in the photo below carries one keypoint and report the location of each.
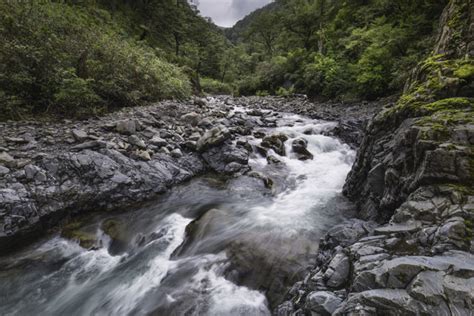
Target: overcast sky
(227, 12)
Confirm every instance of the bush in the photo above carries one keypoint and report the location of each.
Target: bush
(212, 86)
(72, 60)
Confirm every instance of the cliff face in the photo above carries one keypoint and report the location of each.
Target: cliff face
(427, 137)
(414, 175)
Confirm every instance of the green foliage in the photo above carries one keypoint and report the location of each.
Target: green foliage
(212, 86)
(337, 48)
(465, 71)
(79, 60)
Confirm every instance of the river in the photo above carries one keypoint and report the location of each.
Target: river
(213, 246)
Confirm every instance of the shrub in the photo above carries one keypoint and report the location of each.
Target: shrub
(71, 60)
(212, 86)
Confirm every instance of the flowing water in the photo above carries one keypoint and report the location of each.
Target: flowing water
(213, 246)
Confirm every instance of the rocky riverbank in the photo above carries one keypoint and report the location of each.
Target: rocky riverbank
(51, 172)
(411, 250)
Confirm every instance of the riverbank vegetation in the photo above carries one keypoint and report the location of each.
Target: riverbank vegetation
(89, 57)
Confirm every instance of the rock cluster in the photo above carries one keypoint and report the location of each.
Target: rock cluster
(50, 171)
(411, 250)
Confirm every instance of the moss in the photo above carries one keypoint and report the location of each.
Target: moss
(449, 103)
(74, 231)
(114, 229)
(465, 71)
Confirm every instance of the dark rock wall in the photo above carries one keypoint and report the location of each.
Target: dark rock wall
(411, 251)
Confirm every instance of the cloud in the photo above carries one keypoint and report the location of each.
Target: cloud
(227, 12)
(241, 8)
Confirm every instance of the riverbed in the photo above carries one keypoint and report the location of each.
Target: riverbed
(217, 245)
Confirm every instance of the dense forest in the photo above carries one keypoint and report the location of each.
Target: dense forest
(79, 58)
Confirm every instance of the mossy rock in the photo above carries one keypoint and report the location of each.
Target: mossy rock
(114, 228)
(76, 232)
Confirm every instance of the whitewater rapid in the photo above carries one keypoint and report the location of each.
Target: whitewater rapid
(174, 273)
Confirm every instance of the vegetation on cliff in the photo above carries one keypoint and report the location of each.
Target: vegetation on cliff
(335, 49)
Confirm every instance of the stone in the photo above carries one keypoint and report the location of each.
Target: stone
(4, 170)
(427, 287)
(384, 302)
(158, 141)
(337, 272)
(347, 233)
(398, 228)
(273, 160)
(213, 137)
(322, 302)
(89, 145)
(299, 146)
(376, 179)
(6, 159)
(33, 172)
(200, 102)
(136, 141)
(276, 142)
(176, 153)
(79, 135)
(143, 155)
(127, 127)
(191, 118)
(205, 123)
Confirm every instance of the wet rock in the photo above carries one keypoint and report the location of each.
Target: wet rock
(273, 160)
(322, 303)
(33, 172)
(6, 159)
(136, 141)
(227, 158)
(275, 142)
(383, 302)
(192, 118)
(143, 155)
(299, 146)
(266, 180)
(214, 137)
(205, 123)
(285, 309)
(200, 102)
(176, 153)
(427, 287)
(93, 144)
(158, 141)
(348, 233)
(79, 135)
(337, 272)
(4, 170)
(127, 127)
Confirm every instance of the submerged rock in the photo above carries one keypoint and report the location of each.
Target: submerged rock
(299, 146)
(275, 142)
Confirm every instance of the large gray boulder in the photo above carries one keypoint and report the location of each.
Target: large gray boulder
(322, 303)
(213, 137)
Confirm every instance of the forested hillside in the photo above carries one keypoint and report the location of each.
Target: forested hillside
(89, 57)
(83, 58)
(334, 48)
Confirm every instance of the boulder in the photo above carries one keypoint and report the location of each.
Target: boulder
(158, 141)
(276, 142)
(213, 137)
(136, 141)
(322, 303)
(337, 272)
(127, 127)
(191, 118)
(299, 147)
(79, 135)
